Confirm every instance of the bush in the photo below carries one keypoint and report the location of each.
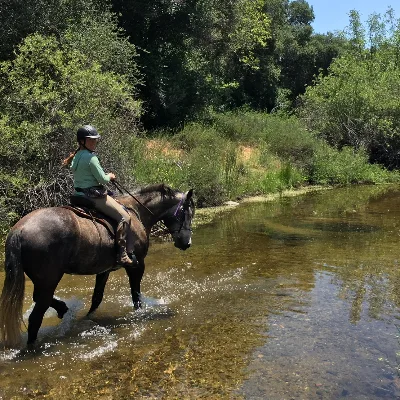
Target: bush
(285, 136)
(206, 162)
(347, 166)
(357, 104)
(220, 164)
(46, 92)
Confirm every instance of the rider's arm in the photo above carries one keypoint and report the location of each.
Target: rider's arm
(97, 171)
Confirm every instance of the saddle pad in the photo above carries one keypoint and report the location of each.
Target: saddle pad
(93, 215)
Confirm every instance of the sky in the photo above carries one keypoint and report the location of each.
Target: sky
(332, 15)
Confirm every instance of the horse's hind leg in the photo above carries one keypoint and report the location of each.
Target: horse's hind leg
(59, 306)
(43, 298)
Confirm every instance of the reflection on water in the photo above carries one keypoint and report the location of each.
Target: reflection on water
(315, 353)
(295, 299)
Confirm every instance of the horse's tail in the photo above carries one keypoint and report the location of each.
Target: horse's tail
(12, 296)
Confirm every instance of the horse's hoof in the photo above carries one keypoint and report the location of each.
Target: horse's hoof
(31, 347)
(60, 314)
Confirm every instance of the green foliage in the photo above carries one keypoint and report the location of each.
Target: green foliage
(152, 163)
(331, 166)
(357, 104)
(99, 38)
(206, 165)
(47, 91)
(357, 33)
(285, 137)
(19, 19)
(287, 177)
(251, 29)
(300, 13)
(211, 157)
(232, 169)
(193, 53)
(193, 56)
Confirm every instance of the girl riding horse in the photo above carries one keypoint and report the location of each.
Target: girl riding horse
(89, 178)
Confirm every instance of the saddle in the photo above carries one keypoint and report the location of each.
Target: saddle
(84, 207)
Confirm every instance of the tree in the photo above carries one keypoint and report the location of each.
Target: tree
(99, 38)
(47, 91)
(192, 52)
(19, 18)
(357, 103)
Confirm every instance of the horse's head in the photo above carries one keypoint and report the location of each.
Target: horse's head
(178, 220)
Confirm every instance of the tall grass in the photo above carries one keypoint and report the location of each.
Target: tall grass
(247, 153)
(347, 166)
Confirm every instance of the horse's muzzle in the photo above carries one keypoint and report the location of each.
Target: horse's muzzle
(183, 244)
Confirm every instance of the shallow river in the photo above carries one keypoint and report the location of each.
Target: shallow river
(292, 299)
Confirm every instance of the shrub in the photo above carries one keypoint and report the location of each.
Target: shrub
(357, 103)
(285, 136)
(347, 166)
(46, 92)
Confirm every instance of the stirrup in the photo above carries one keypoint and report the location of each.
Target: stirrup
(132, 256)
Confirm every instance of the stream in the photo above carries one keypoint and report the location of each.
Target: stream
(296, 298)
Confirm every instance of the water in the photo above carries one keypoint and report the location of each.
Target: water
(293, 299)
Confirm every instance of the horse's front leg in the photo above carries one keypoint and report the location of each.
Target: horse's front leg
(101, 280)
(59, 306)
(135, 275)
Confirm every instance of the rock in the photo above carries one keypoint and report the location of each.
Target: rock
(231, 203)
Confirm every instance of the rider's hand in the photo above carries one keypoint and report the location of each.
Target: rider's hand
(112, 176)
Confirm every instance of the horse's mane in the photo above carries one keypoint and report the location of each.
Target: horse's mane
(163, 189)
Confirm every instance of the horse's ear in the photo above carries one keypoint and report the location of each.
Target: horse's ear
(166, 190)
(189, 194)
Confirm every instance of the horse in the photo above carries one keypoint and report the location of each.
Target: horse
(50, 242)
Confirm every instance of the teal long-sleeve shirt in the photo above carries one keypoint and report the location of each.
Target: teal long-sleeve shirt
(87, 170)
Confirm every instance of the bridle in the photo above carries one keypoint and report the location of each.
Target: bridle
(179, 216)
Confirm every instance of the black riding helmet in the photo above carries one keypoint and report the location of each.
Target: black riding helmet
(87, 131)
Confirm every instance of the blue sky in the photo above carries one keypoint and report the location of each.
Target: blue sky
(331, 15)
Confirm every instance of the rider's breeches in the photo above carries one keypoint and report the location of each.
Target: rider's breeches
(111, 208)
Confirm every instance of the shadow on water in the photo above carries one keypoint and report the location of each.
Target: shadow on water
(293, 299)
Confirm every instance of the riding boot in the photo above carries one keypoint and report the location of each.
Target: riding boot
(123, 258)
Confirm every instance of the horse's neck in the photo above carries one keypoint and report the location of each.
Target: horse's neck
(148, 208)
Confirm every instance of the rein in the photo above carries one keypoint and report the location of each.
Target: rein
(121, 189)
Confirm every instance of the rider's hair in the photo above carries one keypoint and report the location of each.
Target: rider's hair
(66, 162)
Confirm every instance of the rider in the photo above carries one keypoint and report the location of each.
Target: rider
(89, 179)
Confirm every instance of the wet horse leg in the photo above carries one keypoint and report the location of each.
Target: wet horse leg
(101, 280)
(135, 275)
(43, 298)
(59, 306)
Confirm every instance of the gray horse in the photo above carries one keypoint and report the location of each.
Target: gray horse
(51, 242)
